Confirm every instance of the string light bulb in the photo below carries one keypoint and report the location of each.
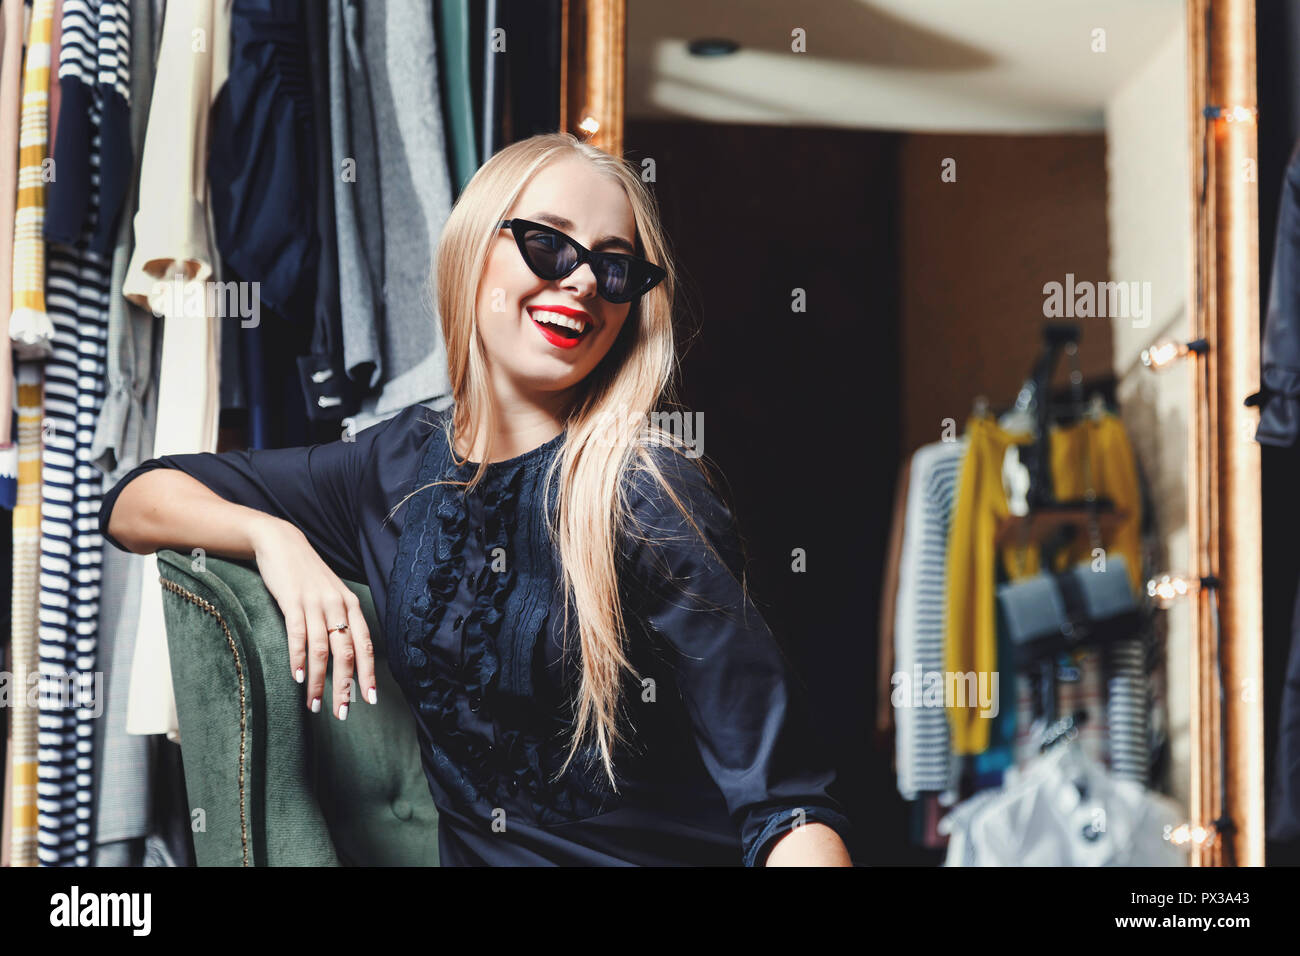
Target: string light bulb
(1166, 589)
(1164, 354)
(589, 125)
(1191, 835)
(1232, 114)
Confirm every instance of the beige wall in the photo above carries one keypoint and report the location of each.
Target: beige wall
(1149, 214)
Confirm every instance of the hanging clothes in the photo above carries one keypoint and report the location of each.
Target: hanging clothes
(532, 68)
(97, 34)
(93, 60)
(175, 254)
(385, 122)
(261, 167)
(1279, 426)
(1064, 809)
(11, 78)
(56, 99)
(173, 261)
(264, 184)
(1279, 394)
(455, 60)
(124, 430)
(30, 328)
(24, 657)
(1284, 800)
(493, 39)
(331, 395)
(971, 624)
(888, 605)
(1096, 454)
(1089, 453)
(123, 808)
(923, 752)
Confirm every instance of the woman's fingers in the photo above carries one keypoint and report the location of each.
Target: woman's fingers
(318, 655)
(344, 657)
(295, 623)
(364, 649)
(312, 619)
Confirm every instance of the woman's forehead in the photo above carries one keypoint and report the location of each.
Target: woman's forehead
(575, 190)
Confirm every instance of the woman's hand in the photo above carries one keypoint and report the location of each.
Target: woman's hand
(313, 600)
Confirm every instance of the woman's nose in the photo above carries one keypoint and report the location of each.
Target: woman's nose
(581, 280)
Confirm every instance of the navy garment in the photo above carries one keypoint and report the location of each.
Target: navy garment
(719, 761)
(1279, 394)
(330, 393)
(94, 84)
(1279, 426)
(532, 68)
(262, 162)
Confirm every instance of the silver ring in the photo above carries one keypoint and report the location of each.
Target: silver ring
(338, 627)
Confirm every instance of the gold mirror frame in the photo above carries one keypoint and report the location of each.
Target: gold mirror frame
(1224, 520)
(1224, 509)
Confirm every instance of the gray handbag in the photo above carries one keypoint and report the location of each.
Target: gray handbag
(1050, 613)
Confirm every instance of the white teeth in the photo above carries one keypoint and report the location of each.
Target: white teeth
(555, 318)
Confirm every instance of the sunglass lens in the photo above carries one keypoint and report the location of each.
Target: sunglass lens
(548, 254)
(617, 280)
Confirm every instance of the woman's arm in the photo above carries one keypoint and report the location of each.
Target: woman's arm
(167, 508)
(750, 720)
(295, 511)
(813, 844)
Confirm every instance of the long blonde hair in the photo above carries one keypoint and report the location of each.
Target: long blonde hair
(627, 387)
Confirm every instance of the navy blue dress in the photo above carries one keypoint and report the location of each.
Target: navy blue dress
(719, 759)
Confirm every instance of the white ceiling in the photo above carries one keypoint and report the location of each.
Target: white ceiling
(986, 65)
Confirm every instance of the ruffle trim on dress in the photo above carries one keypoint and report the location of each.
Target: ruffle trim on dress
(464, 762)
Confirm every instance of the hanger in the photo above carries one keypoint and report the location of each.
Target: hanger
(1095, 409)
(1062, 754)
(1067, 728)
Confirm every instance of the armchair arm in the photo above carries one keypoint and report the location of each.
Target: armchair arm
(269, 783)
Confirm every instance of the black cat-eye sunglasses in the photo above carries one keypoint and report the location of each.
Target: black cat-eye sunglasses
(553, 255)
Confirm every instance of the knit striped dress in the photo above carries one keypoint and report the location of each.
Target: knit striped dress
(94, 77)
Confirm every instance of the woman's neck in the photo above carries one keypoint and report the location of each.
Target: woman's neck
(519, 426)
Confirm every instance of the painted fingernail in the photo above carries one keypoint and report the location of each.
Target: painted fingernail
(373, 696)
(298, 675)
(315, 705)
(343, 712)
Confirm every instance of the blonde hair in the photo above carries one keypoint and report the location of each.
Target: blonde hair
(628, 386)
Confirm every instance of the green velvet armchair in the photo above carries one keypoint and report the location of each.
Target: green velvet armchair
(270, 783)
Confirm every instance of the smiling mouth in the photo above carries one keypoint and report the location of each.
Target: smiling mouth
(562, 331)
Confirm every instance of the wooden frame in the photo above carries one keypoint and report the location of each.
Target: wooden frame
(593, 71)
(1224, 481)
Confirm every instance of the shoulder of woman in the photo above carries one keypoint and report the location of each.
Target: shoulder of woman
(682, 507)
(408, 428)
(658, 474)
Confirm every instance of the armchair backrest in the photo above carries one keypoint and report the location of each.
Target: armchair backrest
(270, 783)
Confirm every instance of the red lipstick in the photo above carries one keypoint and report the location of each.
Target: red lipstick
(562, 338)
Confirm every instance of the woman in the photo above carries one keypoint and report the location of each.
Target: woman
(557, 582)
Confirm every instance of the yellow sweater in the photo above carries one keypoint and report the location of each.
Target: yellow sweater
(1114, 476)
(981, 505)
(970, 643)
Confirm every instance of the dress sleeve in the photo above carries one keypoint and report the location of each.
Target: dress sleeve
(748, 716)
(314, 487)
